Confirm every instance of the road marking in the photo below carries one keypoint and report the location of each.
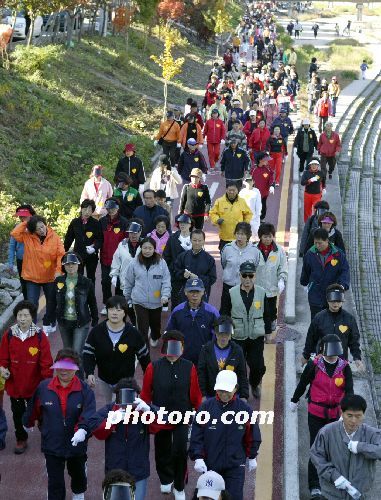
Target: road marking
(282, 216)
(213, 189)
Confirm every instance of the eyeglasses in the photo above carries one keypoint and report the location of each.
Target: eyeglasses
(244, 275)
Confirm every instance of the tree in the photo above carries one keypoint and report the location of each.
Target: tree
(170, 10)
(170, 66)
(218, 19)
(123, 19)
(146, 14)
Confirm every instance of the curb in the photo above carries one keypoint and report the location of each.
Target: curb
(291, 439)
(7, 314)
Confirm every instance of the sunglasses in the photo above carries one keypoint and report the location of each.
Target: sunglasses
(244, 275)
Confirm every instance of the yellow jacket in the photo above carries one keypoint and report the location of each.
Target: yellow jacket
(232, 213)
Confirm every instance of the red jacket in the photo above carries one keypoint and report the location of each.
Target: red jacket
(263, 178)
(214, 130)
(259, 138)
(210, 98)
(329, 147)
(323, 108)
(29, 362)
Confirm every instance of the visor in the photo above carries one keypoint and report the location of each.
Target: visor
(65, 364)
(184, 218)
(135, 227)
(23, 212)
(121, 491)
(335, 296)
(70, 258)
(328, 220)
(125, 396)
(321, 211)
(172, 348)
(225, 327)
(111, 204)
(332, 349)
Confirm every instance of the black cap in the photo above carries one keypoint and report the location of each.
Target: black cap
(335, 294)
(125, 396)
(332, 345)
(225, 327)
(70, 258)
(172, 348)
(247, 267)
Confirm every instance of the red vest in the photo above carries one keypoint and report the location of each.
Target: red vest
(327, 392)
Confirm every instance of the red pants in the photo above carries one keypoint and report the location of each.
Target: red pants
(309, 202)
(213, 153)
(277, 165)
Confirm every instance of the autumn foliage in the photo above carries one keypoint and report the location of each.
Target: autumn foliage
(170, 9)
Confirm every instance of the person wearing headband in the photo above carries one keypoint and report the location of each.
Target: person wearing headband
(338, 321)
(98, 189)
(61, 405)
(329, 378)
(118, 485)
(328, 221)
(25, 360)
(171, 382)
(225, 448)
(126, 445)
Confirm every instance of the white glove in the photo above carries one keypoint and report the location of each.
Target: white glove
(352, 446)
(324, 192)
(293, 406)
(114, 279)
(222, 141)
(141, 405)
(78, 437)
(306, 289)
(155, 143)
(179, 144)
(28, 429)
(341, 483)
(200, 466)
(4, 372)
(200, 146)
(252, 464)
(281, 286)
(90, 250)
(271, 190)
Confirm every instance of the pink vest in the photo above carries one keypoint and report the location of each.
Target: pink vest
(160, 242)
(326, 392)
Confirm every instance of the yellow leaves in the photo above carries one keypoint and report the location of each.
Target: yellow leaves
(170, 66)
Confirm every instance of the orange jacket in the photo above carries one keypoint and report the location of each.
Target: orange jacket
(41, 261)
(173, 134)
(184, 130)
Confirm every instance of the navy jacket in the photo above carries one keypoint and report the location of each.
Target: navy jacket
(188, 161)
(318, 277)
(148, 215)
(234, 163)
(126, 446)
(58, 429)
(224, 446)
(197, 330)
(286, 126)
(132, 166)
(202, 264)
(172, 250)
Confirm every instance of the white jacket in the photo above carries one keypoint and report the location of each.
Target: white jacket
(105, 191)
(269, 272)
(120, 261)
(253, 200)
(171, 187)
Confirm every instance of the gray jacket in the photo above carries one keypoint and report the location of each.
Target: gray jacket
(147, 287)
(269, 272)
(232, 257)
(332, 459)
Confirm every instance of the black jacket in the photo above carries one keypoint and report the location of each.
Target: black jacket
(85, 301)
(202, 264)
(84, 235)
(234, 163)
(208, 369)
(343, 324)
(132, 166)
(195, 200)
(188, 161)
(335, 237)
(114, 362)
(311, 224)
(172, 250)
(148, 215)
(312, 187)
(128, 203)
(299, 139)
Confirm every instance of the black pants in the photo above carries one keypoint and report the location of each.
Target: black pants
(170, 149)
(198, 222)
(234, 481)
(331, 160)
(106, 283)
(171, 455)
(264, 208)
(225, 299)
(303, 158)
(18, 407)
(22, 281)
(90, 263)
(146, 319)
(55, 467)
(253, 351)
(316, 309)
(322, 121)
(221, 244)
(314, 426)
(271, 301)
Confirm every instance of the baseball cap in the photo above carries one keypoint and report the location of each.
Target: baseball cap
(226, 380)
(196, 171)
(184, 218)
(210, 484)
(283, 110)
(247, 267)
(195, 284)
(129, 147)
(306, 121)
(109, 204)
(70, 258)
(192, 141)
(327, 219)
(315, 161)
(252, 113)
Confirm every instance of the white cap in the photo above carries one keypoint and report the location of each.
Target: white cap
(226, 381)
(210, 484)
(315, 161)
(252, 113)
(306, 121)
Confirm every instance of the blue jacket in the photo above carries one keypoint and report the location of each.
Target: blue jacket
(58, 429)
(126, 446)
(15, 248)
(148, 216)
(286, 126)
(224, 446)
(197, 330)
(318, 277)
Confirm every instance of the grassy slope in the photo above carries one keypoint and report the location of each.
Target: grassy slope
(57, 118)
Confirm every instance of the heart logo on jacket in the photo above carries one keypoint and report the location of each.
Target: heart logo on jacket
(60, 285)
(343, 328)
(133, 170)
(122, 347)
(257, 304)
(334, 262)
(229, 367)
(156, 294)
(194, 130)
(33, 350)
(272, 258)
(47, 264)
(265, 175)
(239, 155)
(339, 381)
(199, 194)
(130, 197)
(89, 234)
(116, 230)
(218, 125)
(196, 159)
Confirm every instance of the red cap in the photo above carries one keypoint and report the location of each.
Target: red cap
(23, 212)
(129, 148)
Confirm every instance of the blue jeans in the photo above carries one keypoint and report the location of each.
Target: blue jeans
(73, 336)
(33, 291)
(141, 489)
(333, 104)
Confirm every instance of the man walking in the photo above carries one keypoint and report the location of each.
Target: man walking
(234, 164)
(169, 137)
(305, 142)
(329, 147)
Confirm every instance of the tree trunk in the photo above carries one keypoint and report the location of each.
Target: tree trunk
(165, 98)
(80, 20)
(69, 36)
(127, 38)
(31, 29)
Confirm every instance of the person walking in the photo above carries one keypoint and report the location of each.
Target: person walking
(43, 250)
(312, 223)
(25, 360)
(98, 189)
(313, 181)
(128, 197)
(252, 196)
(328, 222)
(234, 164)
(354, 447)
(333, 93)
(315, 29)
(363, 69)
(131, 165)
(298, 28)
(168, 137)
(160, 234)
(148, 288)
(214, 132)
(323, 110)
(284, 122)
(305, 143)
(258, 139)
(62, 405)
(263, 179)
(276, 146)
(329, 147)
(195, 199)
(313, 93)
(86, 233)
(329, 378)
(149, 211)
(190, 159)
(191, 130)
(167, 178)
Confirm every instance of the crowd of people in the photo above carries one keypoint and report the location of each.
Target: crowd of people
(210, 356)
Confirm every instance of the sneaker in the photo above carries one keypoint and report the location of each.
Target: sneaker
(78, 496)
(47, 329)
(20, 447)
(53, 328)
(277, 185)
(330, 176)
(179, 495)
(153, 343)
(166, 488)
(315, 493)
(104, 311)
(273, 325)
